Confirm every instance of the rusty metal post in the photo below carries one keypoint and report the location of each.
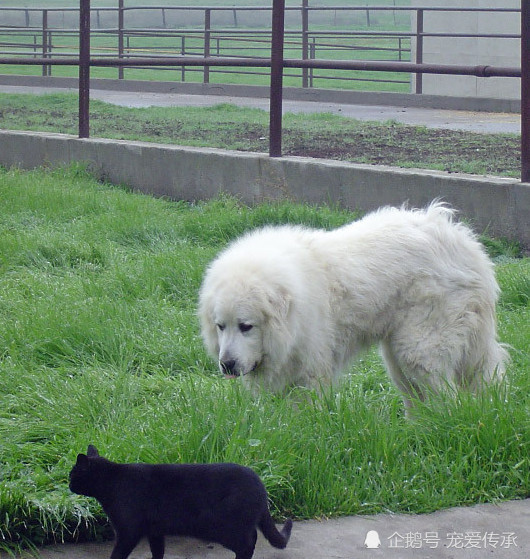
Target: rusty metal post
(45, 71)
(419, 49)
(120, 36)
(525, 90)
(84, 68)
(312, 56)
(275, 122)
(207, 35)
(183, 53)
(305, 40)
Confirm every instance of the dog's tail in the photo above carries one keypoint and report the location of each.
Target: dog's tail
(276, 538)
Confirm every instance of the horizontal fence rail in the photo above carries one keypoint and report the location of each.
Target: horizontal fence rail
(171, 61)
(276, 63)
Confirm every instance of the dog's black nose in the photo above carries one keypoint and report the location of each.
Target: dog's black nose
(228, 367)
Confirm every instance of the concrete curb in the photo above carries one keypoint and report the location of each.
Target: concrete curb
(498, 206)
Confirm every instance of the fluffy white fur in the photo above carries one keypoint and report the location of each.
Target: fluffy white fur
(284, 306)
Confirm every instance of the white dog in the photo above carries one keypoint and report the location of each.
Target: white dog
(292, 306)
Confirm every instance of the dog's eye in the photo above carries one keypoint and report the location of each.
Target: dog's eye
(221, 327)
(243, 327)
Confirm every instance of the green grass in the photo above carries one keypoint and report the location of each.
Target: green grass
(314, 135)
(99, 344)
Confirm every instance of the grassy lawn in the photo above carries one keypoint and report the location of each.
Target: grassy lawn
(99, 344)
(318, 135)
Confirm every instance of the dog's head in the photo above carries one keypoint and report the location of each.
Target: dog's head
(244, 322)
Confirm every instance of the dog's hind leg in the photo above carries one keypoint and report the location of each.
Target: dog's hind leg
(431, 365)
(408, 389)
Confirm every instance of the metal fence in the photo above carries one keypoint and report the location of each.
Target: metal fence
(276, 64)
(214, 31)
(376, 33)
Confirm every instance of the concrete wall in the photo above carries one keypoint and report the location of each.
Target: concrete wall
(499, 206)
(502, 52)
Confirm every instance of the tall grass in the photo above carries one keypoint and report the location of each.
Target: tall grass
(99, 344)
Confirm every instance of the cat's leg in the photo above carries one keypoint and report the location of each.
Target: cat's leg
(125, 543)
(156, 543)
(245, 549)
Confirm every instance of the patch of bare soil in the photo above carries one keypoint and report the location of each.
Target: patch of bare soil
(409, 146)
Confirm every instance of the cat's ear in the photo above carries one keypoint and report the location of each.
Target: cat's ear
(82, 460)
(92, 451)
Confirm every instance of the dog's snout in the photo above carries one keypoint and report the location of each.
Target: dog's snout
(228, 367)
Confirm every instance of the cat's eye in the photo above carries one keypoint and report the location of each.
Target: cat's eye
(244, 327)
(220, 326)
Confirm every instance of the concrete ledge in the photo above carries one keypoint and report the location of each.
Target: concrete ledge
(290, 93)
(500, 207)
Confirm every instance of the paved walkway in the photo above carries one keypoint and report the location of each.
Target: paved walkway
(433, 118)
(492, 531)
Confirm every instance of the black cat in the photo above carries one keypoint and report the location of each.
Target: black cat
(222, 503)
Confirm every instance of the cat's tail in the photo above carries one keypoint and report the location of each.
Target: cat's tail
(276, 538)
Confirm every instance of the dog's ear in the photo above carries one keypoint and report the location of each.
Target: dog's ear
(207, 325)
(278, 336)
(279, 301)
